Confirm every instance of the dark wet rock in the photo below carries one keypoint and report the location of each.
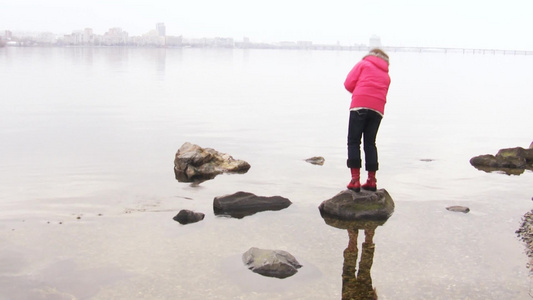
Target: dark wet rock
(242, 204)
(457, 208)
(516, 153)
(316, 160)
(196, 164)
(525, 233)
(510, 160)
(188, 216)
(271, 263)
(491, 161)
(365, 205)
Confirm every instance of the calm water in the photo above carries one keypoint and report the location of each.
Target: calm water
(88, 138)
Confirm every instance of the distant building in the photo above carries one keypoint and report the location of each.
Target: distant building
(194, 42)
(246, 43)
(287, 44)
(304, 44)
(115, 36)
(161, 29)
(78, 37)
(88, 36)
(375, 41)
(152, 39)
(75, 38)
(46, 38)
(220, 42)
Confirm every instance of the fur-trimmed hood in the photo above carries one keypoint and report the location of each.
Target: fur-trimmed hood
(378, 60)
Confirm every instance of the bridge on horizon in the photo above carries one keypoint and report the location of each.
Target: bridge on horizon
(457, 50)
(423, 49)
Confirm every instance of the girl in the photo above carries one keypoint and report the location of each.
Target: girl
(368, 82)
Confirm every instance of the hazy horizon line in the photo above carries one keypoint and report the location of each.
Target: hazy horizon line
(256, 40)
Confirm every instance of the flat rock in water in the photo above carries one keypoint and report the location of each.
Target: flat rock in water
(193, 163)
(186, 216)
(316, 160)
(457, 208)
(271, 263)
(352, 206)
(242, 204)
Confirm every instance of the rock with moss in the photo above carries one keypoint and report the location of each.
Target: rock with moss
(363, 206)
(509, 160)
(193, 163)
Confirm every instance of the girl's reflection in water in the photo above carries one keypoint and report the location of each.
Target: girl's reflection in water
(365, 214)
(356, 278)
(357, 284)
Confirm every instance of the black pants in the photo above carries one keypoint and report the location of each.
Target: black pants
(363, 123)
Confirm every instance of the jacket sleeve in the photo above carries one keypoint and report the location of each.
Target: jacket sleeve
(353, 77)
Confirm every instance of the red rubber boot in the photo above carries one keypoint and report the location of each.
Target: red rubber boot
(370, 184)
(354, 184)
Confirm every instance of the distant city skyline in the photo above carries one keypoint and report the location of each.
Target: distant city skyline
(159, 29)
(439, 23)
(158, 38)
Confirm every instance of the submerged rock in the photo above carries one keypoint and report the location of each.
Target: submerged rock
(196, 164)
(271, 263)
(365, 205)
(510, 160)
(188, 216)
(316, 160)
(242, 204)
(457, 208)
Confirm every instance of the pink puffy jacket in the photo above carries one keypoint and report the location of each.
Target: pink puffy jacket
(369, 82)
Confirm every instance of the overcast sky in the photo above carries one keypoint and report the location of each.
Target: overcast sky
(445, 23)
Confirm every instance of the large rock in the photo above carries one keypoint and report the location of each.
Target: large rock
(271, 263)
(365, 205)
(196, 164)
(510, 161)
(498, 162)
(242, 204)
(186, 216)
(517, 152)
